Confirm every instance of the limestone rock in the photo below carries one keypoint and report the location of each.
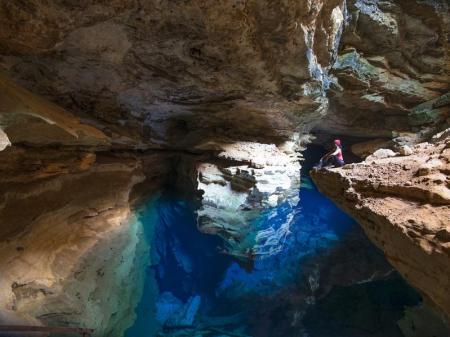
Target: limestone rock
(405, 150)
(421, 321)
(366, 148)
(432, 111)
(28, 118)
(380, 154)
(4, 140)
(173, 74)
(60, 211)
(236, 189)
(174, 313)
(228, 89)
(394, 56)
(403, 205)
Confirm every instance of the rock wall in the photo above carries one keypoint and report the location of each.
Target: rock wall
(69, 241)
(403, 204)
(29, 119)
(394, 55)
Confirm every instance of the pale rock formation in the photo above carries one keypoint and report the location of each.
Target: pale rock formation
(4, 140)
(405, 150)
(403, 204)
(241, 183)
(381, 153)
(228, 85)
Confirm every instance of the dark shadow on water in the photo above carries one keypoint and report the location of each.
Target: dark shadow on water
(363, 310)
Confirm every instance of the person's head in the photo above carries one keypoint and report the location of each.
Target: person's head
(337, 142)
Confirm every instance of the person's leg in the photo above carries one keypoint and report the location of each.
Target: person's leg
(338, 162)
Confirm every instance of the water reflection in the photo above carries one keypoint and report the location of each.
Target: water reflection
(194, 289)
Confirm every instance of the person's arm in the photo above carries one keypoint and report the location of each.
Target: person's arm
(328, 155)
(335, 152)
(325, 156)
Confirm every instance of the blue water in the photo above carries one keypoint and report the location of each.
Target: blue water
(193, 289)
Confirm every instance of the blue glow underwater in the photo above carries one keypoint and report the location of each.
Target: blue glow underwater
(323, 270)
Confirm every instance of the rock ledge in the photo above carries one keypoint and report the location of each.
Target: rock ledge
(403, 205)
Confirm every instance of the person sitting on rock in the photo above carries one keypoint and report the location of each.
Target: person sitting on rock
(333, 158)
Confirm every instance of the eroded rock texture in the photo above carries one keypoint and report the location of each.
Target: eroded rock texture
(26, 118)
(394, 55)
(60, 211)
(403, 204)
(154, 73)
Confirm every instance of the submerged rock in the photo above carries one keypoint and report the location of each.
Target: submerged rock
(172, 312)
(421, 321)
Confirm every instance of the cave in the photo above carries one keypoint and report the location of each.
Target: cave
(160, 176)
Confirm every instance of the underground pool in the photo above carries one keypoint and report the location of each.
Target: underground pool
(327, 280)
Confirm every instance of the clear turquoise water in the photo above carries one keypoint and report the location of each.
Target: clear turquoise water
(192, 289)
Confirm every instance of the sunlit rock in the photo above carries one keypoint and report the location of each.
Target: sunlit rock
(105, 104)
(248, 180)
(4, 140)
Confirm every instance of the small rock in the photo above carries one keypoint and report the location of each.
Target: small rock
(4, 141)
(405, 150)
(381, 153)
